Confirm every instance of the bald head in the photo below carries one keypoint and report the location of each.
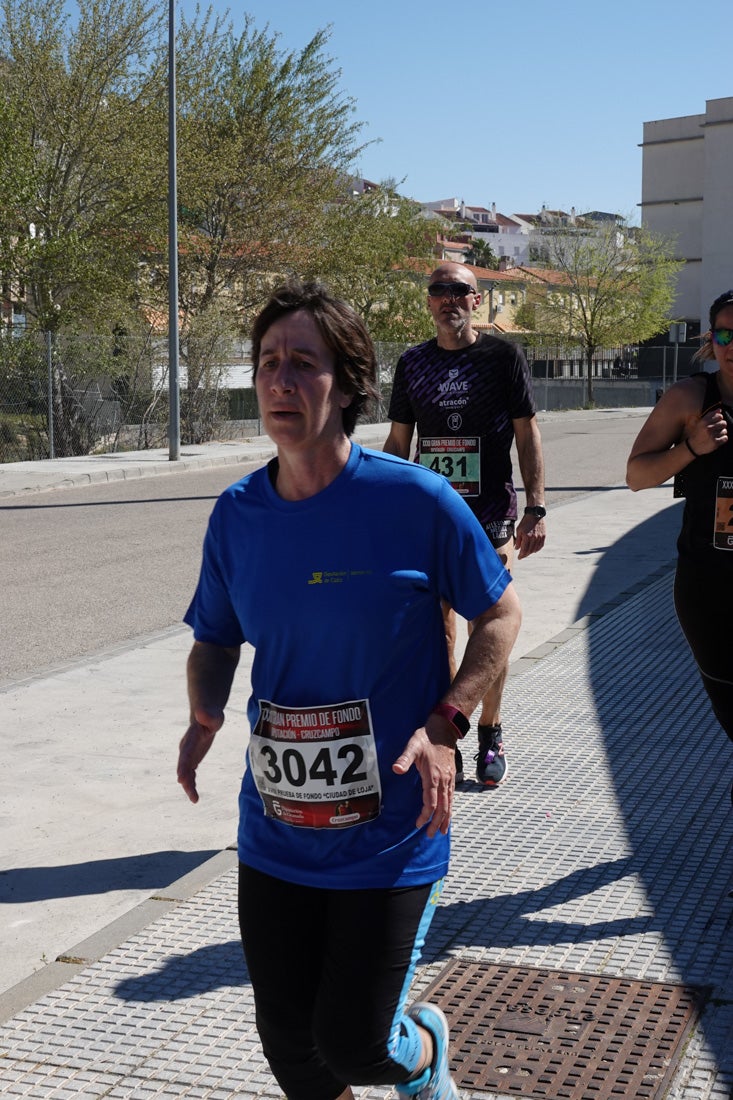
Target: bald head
(454, 273)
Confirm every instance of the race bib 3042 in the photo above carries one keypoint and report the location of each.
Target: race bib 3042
(316, 767)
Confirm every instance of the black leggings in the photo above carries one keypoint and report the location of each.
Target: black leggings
(704, 605)
(330, 970)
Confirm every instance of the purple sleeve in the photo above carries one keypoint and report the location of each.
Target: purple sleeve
(521, 393)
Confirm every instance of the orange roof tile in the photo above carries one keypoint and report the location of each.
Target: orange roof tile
(547, 275)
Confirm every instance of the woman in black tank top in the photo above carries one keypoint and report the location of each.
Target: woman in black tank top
(689, 437)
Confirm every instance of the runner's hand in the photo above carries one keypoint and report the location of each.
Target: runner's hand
(432, 750)
(194, 745)
(529, 536)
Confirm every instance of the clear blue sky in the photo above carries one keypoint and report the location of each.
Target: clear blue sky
(521, 103)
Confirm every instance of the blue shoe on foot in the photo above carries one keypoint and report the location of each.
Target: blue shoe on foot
(436, 1083)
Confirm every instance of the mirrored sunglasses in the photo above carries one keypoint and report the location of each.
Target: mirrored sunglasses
(722, 336)
(451, 290)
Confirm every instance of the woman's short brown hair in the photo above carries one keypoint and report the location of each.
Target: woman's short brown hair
(342, 330)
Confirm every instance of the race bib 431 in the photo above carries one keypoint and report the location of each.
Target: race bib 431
(456, 458)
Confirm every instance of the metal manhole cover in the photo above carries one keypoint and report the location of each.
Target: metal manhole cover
(560, 1035)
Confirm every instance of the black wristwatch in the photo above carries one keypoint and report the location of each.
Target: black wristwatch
(455, 716)
(538, 510)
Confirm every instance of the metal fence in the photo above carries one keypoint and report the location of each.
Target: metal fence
(76, 395)
(570, 362)
(666, 362)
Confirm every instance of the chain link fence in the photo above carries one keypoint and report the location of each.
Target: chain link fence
(77, 395)
(67, 396)
(625, 362)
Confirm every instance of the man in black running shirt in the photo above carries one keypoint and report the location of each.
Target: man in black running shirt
(470, 396)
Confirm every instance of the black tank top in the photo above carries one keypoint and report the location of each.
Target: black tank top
(707, 485)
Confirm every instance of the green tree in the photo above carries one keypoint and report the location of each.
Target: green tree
(614, 286)
(264, 137)
(84, 99)
(482, 254)
(375, 247)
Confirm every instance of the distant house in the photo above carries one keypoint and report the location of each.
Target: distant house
(450, 250)
(521, 239)
(504, 291)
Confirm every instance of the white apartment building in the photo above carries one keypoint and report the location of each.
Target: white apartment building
(520, 239)
(687, 168)
(509, 238)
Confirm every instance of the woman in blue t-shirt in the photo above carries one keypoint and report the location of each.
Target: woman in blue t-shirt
(332, 562)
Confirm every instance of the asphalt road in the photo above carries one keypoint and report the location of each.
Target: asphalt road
(91, 568)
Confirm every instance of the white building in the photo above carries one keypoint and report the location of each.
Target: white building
(520, 239)
(508, 236)
(687, 168)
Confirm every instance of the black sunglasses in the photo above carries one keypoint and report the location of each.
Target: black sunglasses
(451, 290)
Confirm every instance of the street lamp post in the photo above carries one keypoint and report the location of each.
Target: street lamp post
(174, 393)
(677, 336)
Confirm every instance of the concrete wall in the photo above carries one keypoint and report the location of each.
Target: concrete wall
(672, 195)
(717, 231)
(687, 165)
(572, 393)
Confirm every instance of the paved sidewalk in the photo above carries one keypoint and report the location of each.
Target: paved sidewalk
(609, 851)
(29, 477)
(18, 478)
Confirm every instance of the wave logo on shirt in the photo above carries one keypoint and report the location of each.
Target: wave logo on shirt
(452, 385)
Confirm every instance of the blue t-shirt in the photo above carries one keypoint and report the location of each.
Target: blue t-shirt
(340, 596)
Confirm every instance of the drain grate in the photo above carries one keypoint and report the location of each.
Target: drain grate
(560, 1035)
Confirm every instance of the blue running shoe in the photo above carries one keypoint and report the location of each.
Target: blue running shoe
(435, 1083)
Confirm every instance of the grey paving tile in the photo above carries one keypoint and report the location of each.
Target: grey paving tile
(609, 850)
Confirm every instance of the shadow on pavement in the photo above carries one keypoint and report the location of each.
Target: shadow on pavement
(672, 768)
(152, 871)
(640, 552)
(189, 975)
(479, 928)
